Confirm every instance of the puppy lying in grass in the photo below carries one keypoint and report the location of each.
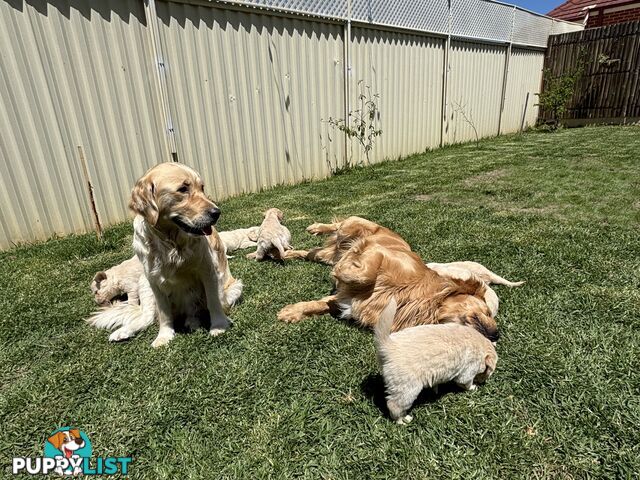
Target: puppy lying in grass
(239, 238)
(426, 356)
(273, 237)
(117, 281)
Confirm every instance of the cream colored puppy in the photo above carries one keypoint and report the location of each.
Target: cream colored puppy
(273, 237)
(119, 280)
(466, 270)
(239, 238)
(426, 356)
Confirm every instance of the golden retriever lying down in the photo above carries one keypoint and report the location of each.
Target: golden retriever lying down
(186, 273)
(379, 267)
(342, 234)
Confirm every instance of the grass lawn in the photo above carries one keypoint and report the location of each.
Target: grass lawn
(268, 399)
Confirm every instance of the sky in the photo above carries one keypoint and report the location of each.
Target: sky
(539, 6)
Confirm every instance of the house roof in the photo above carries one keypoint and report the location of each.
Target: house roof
(575, 9)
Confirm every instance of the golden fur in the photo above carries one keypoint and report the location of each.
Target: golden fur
(274, 239)
(185, 265)
(121, 279)
(373, 265)
(426, 356)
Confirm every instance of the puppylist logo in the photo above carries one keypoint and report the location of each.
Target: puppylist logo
(68, 451)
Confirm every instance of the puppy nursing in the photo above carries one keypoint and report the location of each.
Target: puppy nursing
(426, 356)
(239, 238)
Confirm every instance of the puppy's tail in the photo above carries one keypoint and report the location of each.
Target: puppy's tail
(233, 291)
(115, 316)
(385, 323)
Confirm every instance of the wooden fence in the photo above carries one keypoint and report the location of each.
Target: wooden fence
(608, 91)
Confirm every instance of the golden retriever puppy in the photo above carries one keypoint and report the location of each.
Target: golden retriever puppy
(462, 269)
(239, 238)
(273, 237)
(426, 356)
(119, 280)
(369, 274)
(186, 273)
(341, 235)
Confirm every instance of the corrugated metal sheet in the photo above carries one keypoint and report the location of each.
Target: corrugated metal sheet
(523, 82)
(405, 70)
(474, 92)
(72, 74)
(250, 95)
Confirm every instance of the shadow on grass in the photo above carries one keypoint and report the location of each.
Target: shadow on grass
(372, 387)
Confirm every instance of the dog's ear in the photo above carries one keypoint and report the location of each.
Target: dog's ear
(280, 214)
(143, 200)
(57, 439)
(99, 277)
(75, 432)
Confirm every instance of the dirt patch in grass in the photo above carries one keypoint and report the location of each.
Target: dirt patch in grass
(485, 177)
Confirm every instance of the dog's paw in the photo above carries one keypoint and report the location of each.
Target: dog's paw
(162, 340)
(473, 387)
(120, 334)
(214, 332)
(290, 314)
(404, 420)
(315, 229)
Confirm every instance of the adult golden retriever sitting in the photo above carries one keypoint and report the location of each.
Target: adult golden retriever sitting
(372, 264)
(186, 273)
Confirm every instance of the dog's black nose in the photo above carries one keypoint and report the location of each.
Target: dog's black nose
(214, 214)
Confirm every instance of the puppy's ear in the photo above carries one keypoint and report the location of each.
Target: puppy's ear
(490, 362)
(75, 432)
(280, 214)
(56, 440)
(99, 277)
(143, 200)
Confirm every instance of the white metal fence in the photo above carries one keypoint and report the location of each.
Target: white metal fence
(241, 91)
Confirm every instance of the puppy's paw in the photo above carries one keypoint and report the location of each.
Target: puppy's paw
(315, 228)
(214, 332)
(290, 314)
(162, 340)
(252, 255)
(404, 420)
(120, 334)
(473, 387)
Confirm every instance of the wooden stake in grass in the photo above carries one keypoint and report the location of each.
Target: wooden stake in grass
(92, 202)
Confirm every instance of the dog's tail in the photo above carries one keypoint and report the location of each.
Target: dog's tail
(385, 323)
(233, 291)
(115, 316)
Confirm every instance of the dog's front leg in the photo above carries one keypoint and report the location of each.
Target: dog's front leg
(212, 286)
(297, 311)
(165, 321)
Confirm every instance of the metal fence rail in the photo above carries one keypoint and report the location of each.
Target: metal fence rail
(240, 90)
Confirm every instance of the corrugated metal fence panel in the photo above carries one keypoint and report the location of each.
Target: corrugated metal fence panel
(250, 95)
(73, 75)
(405, 70)
(523, 83)
(474, 91)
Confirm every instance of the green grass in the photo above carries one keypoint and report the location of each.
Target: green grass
(268, 399)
